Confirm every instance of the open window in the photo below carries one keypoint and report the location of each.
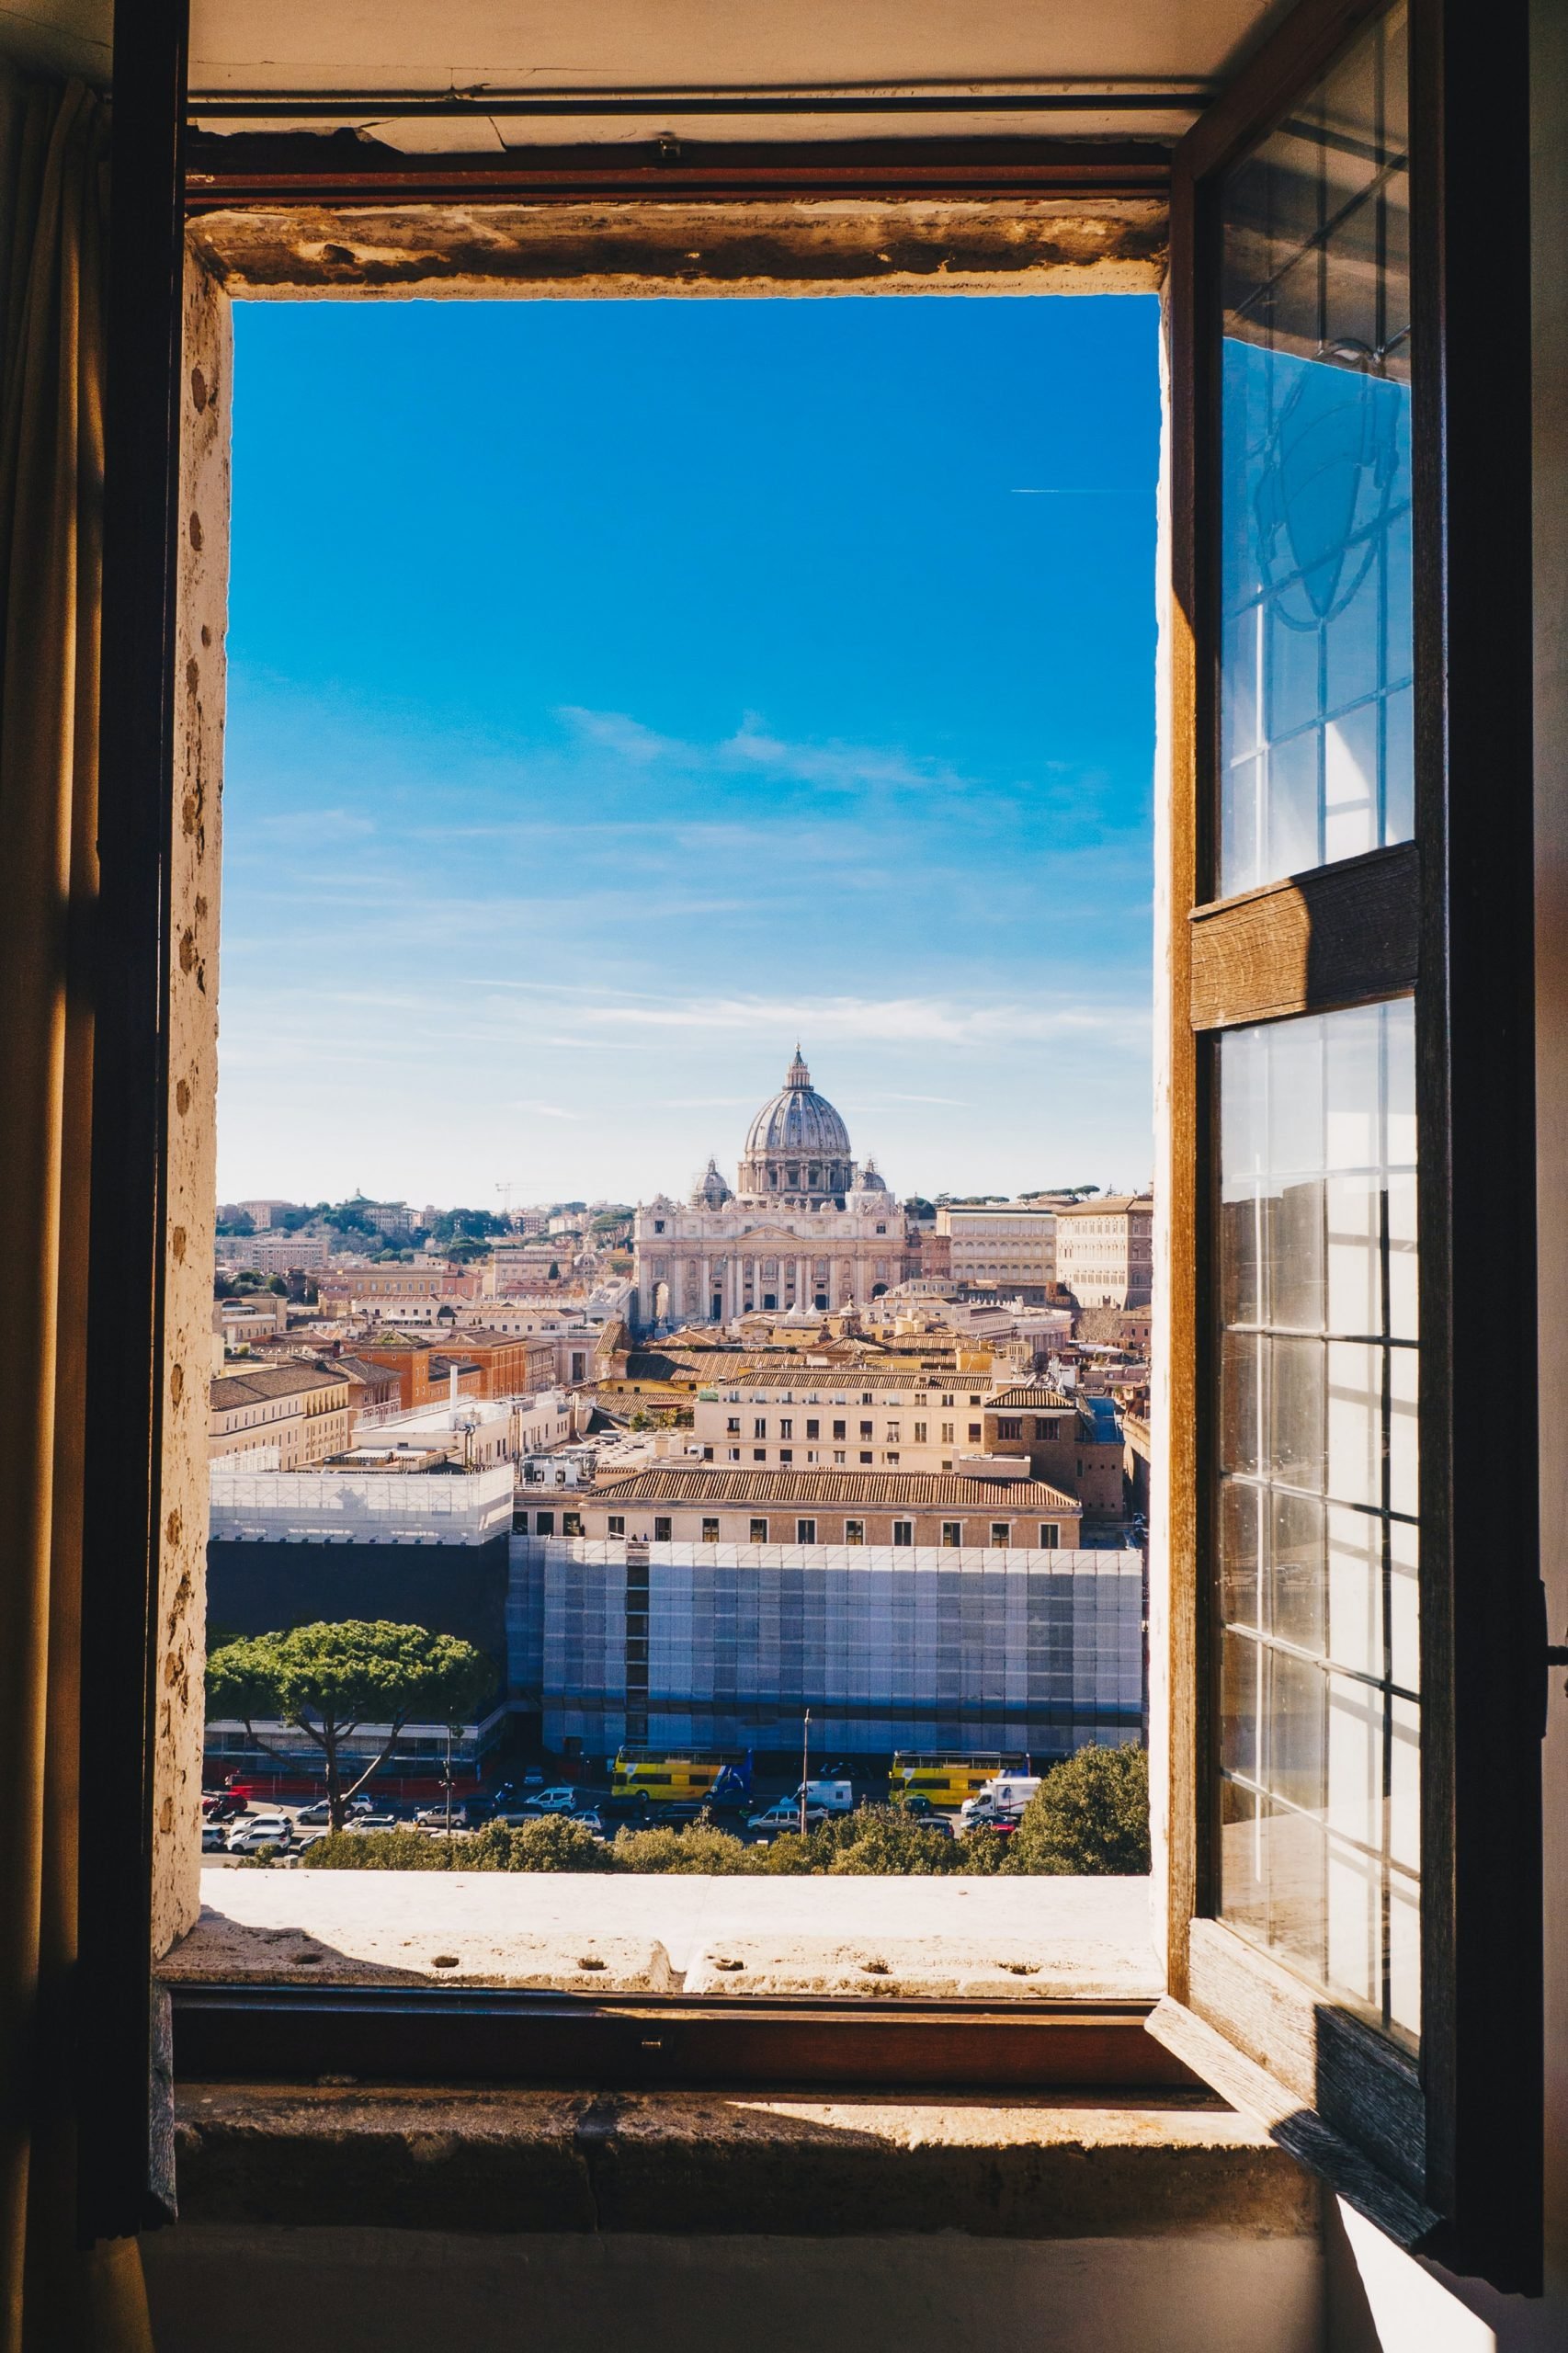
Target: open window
(1346, 1578)
(1355, 1605)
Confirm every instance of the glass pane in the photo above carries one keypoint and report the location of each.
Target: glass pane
(1315, 732)
(1319, 1718)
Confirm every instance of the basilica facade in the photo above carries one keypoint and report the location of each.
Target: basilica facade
(806, 1228)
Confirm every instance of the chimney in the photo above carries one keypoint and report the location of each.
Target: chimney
(452, 1386)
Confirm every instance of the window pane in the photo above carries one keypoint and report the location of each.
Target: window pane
(1316, 1576)
(1315, 739)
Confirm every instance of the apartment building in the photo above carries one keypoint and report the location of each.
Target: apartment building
(1005, 1247)
(1104, 1250)
(271, 1254)
(301, 1409)
(690, 1503)
(1074, 1442)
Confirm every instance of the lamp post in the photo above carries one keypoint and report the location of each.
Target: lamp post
(805, 1765)
(449, 1785)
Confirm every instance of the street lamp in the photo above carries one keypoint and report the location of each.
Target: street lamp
(805, 1765)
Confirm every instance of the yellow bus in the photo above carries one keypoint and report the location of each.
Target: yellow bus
(946, 1779)
(676, 1777)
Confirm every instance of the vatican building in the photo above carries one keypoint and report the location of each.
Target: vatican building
(806, 1229)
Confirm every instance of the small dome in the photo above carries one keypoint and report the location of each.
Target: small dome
(711, 1191)
(871, 1180)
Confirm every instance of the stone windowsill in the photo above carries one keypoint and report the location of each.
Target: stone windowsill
(947, 1938)
(1040, 2165)
(1040, 2168)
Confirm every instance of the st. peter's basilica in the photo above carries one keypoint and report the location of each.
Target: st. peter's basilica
(806, 1228)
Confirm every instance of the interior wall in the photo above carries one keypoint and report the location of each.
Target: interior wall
(251, 2290)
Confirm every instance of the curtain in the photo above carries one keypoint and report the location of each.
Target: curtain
(54, 192)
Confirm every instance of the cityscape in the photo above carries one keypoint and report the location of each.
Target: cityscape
(785, 1463)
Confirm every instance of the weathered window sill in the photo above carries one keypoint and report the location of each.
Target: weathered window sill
(1045, 2167)
(947, 1938)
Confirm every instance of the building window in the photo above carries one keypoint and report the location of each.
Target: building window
(544, 1522)
(946, 1397)
(999, 1530)
(571, 1523)
(1050, 1536)
(892, 1432)
(732, 1453)
(732, 1422)
(919, 1433)
(708, 1454)
(759, 1426)
(952, 1534)
(866, 1429)
(855, 1531)
(892, 1460)
(841, 1429)
(838, 1456)
(709, 1531)
(814, 1429)
(759, 1532)
(661, 1532)
(805, 1531)
(947, 1433)
(787, 1428)
(1009, 1426)
(904, 1531)
(616, 1523)
(658, 1225)
(975, 1433)
(867, 1456)
(759, 1454)
(785, 1454)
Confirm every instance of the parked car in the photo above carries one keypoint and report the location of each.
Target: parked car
(214, 1838)
(563, 1798)
(319, 1815)
(375, 1822)
(261, 1830)
(784, 1814)
(434, 1817)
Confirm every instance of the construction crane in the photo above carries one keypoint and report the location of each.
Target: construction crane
(506, 1191)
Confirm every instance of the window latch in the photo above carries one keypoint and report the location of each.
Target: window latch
(1552, 1654)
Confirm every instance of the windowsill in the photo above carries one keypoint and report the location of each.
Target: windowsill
(699, 2163)
(950, 1938)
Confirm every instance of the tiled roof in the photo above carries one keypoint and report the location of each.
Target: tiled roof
(1029, 1401)
(915, 1488)
(233, 1389)
(847, 1377)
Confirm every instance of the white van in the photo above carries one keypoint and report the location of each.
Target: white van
(832, 1795)
(1002, 1799)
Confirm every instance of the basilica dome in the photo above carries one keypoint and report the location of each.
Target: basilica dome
(797, 1147)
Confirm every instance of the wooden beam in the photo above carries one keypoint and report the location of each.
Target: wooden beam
(1347, 934)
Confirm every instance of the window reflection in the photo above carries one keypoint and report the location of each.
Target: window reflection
(1317, 1537)
(1317, 656)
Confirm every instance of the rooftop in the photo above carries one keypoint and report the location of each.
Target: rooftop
(699, 1483)
(231, 1390)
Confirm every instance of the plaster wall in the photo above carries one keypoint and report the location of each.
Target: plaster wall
(251, 2289)
(193, 1088)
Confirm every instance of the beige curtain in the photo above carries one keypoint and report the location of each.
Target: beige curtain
(54, 192)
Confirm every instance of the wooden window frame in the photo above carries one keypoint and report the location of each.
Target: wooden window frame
(1478, 2081)
(1443, 2152)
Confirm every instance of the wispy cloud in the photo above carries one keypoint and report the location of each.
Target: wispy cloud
(754, 748)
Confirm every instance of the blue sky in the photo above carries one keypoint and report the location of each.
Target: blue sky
(619, 691)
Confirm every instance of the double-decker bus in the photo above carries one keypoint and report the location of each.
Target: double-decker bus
(945, 1777)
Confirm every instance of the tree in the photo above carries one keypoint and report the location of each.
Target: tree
(278, 1287)
(328, 1680)
(1089, 1818)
